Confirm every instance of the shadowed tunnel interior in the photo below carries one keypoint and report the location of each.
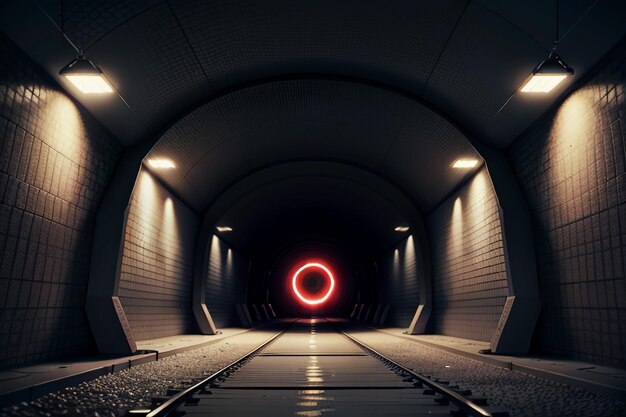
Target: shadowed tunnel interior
(325, 211)
(241, 163)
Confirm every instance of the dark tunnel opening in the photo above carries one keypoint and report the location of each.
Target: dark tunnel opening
(310, 235)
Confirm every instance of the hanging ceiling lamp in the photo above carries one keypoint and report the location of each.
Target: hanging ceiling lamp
(549, 73)
(81, 72)
(86, 76)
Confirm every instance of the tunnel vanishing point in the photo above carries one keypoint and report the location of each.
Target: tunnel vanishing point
(368, 182)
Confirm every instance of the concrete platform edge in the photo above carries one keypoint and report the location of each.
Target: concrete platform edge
(34, 391)
(592, 386)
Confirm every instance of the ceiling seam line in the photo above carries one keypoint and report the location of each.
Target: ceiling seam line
(580, 18)
(236, 137)
(329, 176)
(231, 138)
(99, 38)
(405, 124)
(54, 23)
(193, 51)
(528, 35)
(139, 119)
(352, 164)
(445, 45)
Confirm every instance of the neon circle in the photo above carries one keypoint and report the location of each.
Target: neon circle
(294, 283)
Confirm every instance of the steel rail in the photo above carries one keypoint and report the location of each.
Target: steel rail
(179, 399)
(463, 403)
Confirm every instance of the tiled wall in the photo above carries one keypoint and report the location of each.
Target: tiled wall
(469, 271)
(55, 161)
(157, 262)
(400, 273)
(227, 275)
(571, 166)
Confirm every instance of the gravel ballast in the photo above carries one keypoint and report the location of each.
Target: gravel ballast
(115, 394)
(522, 394)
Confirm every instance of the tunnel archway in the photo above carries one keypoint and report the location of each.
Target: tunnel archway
(245, 131)
(339, 205)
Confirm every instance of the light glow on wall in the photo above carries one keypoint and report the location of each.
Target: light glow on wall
(65, 130)
(157, 218)
(296, 286)
(456, 228)
(147, 195)
(572, 152)
(215, 256)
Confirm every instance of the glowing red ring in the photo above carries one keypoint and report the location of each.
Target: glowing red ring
(294, 283)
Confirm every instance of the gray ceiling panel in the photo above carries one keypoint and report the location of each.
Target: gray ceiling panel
(364, 144)
(465, 58)
(538, 18)
(133, 58)
(398, 41)
(215, 171)
(424, 152)
(482, 65)
(470, 69)
(85, 22)
(314, 119)
(317, 193)
(337, 192)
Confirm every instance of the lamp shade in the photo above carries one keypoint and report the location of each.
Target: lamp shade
(547, 75)
(86, 76)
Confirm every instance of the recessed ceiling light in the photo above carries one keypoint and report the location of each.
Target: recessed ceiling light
(223, 229)
(161, 163)
(402, 229)
(86, 76)
(465, 163)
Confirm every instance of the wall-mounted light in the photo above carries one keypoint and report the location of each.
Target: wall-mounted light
(402, 229)
(161, 163)
(86, 76)
(223, 229)
(550, 72)
(465, 163)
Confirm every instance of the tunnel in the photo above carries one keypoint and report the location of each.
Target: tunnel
(312, 208)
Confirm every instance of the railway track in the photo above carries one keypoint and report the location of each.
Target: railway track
(314, 369)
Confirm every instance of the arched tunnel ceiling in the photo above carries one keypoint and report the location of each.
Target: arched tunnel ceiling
(464, 57)
(313, 119)
(315, 194)
(324, 194)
